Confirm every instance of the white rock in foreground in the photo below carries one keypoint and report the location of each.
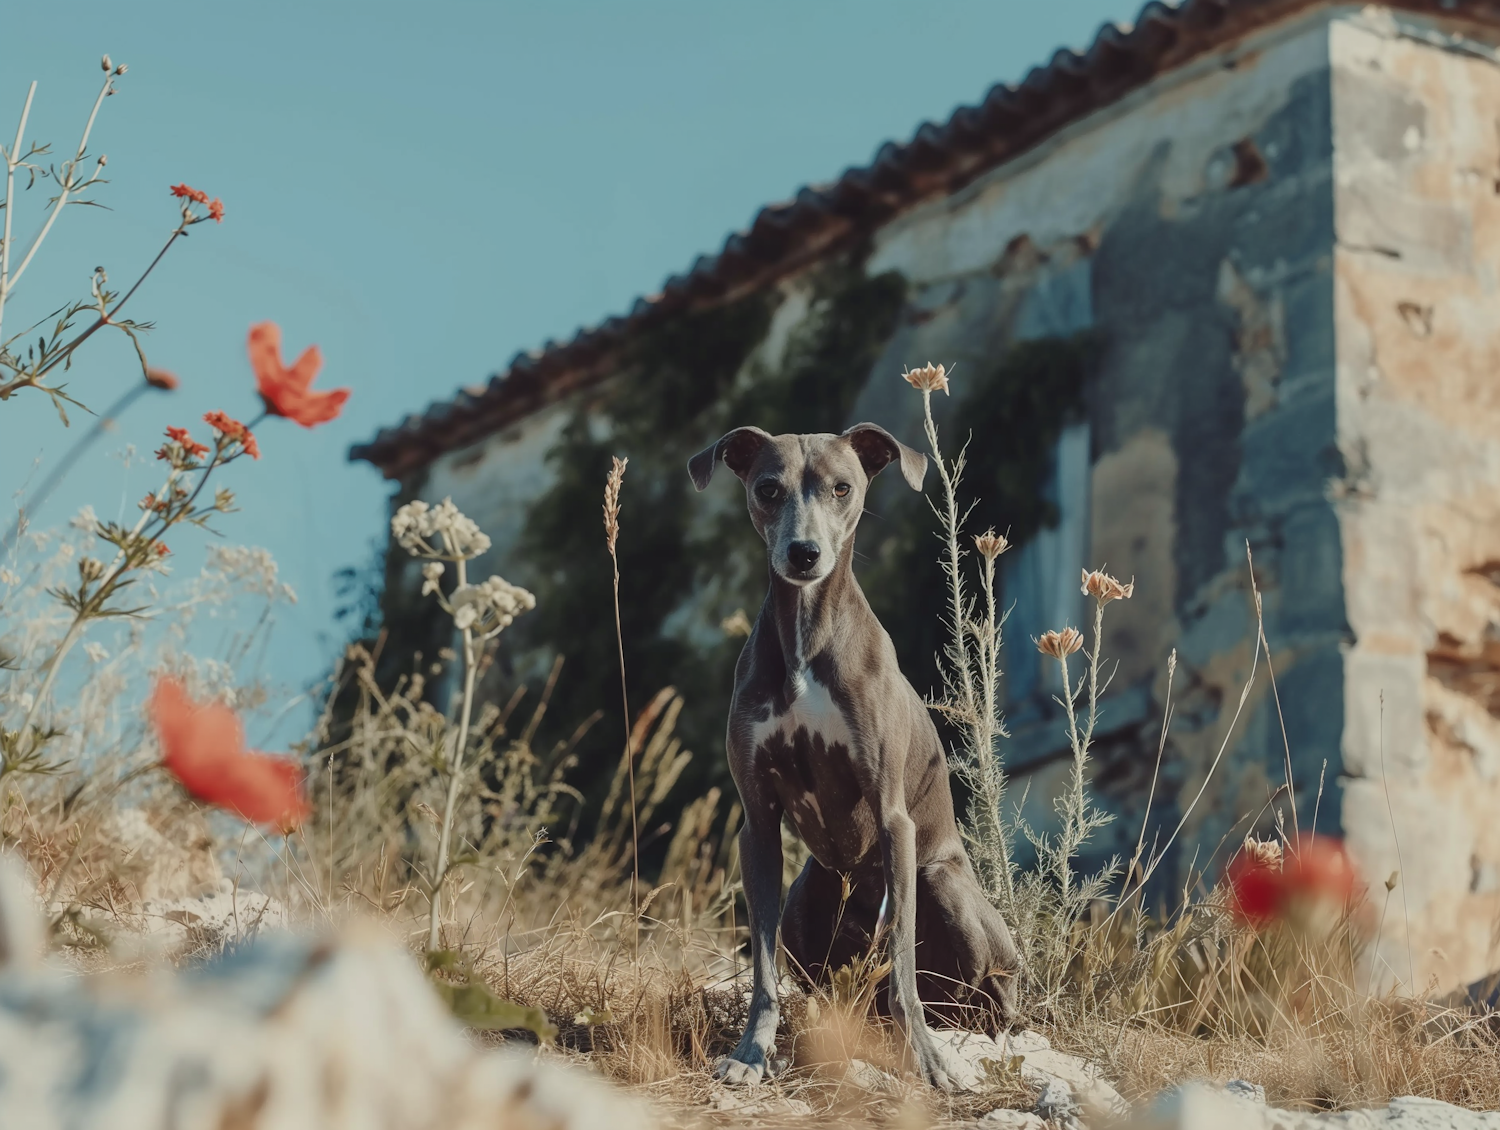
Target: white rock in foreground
(1012, 1120)
(1051, 1074)
(1199, 1106)
(289, 1033)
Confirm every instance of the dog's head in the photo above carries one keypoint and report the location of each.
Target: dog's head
(807, 492)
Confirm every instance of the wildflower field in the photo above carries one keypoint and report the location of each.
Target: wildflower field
(152, 833)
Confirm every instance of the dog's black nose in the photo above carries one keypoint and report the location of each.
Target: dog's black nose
(803, 555)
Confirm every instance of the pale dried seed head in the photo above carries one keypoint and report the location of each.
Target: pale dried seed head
(612, 502)
(1059, 645)
(929, 378)
(1263, 853)
(1104, 588)
(991, 545)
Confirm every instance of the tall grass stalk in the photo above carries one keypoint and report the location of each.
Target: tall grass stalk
(612, 487)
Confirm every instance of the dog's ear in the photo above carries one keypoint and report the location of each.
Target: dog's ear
(877, 448)
(737, 449)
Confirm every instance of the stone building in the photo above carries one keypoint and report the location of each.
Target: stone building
(1225, 277)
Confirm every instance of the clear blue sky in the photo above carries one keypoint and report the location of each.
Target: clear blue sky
(424, 188)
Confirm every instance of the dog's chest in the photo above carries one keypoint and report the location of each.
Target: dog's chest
(806, 754)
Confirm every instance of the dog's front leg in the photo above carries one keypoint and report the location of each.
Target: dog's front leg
(898, 841)
(760, 868)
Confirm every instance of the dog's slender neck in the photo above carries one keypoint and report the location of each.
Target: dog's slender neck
(805, 616)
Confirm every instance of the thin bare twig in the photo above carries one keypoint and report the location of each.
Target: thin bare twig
(11, 161)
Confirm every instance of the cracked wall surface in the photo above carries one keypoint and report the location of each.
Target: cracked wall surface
(1417, 202)
(1202, 212)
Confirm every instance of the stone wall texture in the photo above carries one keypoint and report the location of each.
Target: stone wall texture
(1416, 158)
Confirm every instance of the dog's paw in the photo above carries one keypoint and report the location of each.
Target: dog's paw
(937, 1077)
(942, 1068)
(741, 1072)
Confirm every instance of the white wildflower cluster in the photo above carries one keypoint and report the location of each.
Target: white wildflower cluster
(439, 532)
(488, 607)
(443, 533)
(85, 520)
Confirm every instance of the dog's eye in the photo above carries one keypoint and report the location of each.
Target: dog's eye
(768, 492)
(841, 490)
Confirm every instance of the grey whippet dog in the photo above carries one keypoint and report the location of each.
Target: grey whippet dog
(825, 729)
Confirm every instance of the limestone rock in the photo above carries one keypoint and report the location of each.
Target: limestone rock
(1041, 1067)
(1012, 1120)
(171, 858)
(1201, 1106)
(1058, 1105)
(1245, 1089)
(291, 1032)
(757, 1102)
(212, 919)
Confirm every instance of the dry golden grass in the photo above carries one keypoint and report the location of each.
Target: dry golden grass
(545, 923)
(644, 981)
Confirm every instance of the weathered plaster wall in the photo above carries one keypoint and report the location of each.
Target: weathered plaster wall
(1417, 160)
(1200, 214)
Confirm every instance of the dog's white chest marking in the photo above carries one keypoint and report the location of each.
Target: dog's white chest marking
(812, 710)
(801, 751)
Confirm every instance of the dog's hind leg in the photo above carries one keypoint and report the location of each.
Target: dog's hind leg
(821, 929)
(966, 958)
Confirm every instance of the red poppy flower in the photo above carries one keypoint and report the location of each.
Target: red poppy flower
(1314, 876)
(193, 194)
(1257, 888)
(216, 210)
(288, 391)
(1320, 870)
(203, 746)
(189, 444)
(228, 426)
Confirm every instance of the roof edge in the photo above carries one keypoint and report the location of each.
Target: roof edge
(820, 220)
